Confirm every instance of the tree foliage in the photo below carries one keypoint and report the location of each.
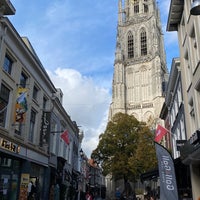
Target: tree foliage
(126, 148)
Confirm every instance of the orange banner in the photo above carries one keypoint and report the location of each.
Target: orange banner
(21, 105)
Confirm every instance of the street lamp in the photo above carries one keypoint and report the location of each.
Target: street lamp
(195, 8)
(81, 153)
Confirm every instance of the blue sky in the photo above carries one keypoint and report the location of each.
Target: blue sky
(75, 41)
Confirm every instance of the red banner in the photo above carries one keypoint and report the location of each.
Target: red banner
(160, 132)
(65, 136)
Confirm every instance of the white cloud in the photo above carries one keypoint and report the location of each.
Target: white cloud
(86, 103)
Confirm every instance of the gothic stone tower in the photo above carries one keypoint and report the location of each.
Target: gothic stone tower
(140, 72)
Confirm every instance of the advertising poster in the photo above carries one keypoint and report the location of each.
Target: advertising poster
(24, 187)
(21, 105)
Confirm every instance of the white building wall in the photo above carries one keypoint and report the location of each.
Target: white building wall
(188, 29)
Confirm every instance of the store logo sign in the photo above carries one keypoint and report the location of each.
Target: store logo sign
(10, 146)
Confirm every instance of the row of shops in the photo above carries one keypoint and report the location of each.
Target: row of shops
(33, 123)
(17, 169)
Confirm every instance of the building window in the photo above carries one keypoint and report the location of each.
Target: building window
(136, 6)
(197, 89)
(146, 9)
(130, 45)
(54, 128)
(188, 76)
(192, 114)
(179, 92)
(44, 103)
(143, 42)
(7, 65)
(145, 6)
(18, 128)
(23, 80)
(4, 99)
(193, 50)
(35, 92)
(32, 126)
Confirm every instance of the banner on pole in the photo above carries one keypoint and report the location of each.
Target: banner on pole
(160, 132)
(21, 106)
(168, 187)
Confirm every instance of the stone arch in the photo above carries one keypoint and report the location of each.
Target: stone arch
(135, 115)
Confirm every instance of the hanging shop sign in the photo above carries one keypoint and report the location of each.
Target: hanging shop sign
(45, 128)
(195, 138)
(8, 145)
(190, 150)
(21, 106)
(180, 143)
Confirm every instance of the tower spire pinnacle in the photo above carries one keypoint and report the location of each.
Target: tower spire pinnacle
(120, 12)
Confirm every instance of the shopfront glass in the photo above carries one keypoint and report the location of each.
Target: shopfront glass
(9, 178)
(37, 177)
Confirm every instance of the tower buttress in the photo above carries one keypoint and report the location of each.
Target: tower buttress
(120, 12)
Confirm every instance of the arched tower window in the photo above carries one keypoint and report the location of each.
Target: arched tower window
(130, 45)
(143, 42)
(145, 6)
(136, 6)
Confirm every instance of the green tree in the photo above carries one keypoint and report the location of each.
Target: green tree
(126, 148)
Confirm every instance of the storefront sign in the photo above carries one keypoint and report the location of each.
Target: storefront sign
(10, 146)
(45, 128)
(195, 138)
(180, 143)
(189, 151)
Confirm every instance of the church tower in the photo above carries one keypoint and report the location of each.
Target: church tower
(140, 72)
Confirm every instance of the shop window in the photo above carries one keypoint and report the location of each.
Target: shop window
(4, 99)
(5, 162)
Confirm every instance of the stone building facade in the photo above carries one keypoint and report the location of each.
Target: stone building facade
(32, 119)
(188, 30)
(140, 71)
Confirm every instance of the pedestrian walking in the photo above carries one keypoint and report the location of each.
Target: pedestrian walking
(88, 196)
